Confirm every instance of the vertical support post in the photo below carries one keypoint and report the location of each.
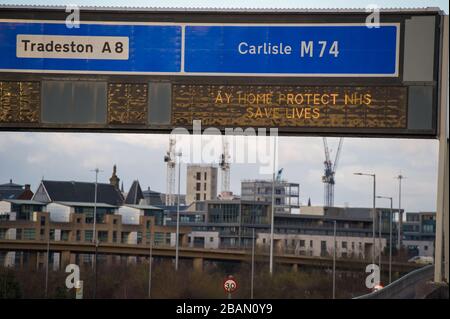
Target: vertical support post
(273, 204)
(150, 266)
(94, 235)
(253, 264)
(400, 215)
(334, 260)
(47, 261)
(374, 219)
(379, 238)
(391, 217)
(177, 236)
(442, 192)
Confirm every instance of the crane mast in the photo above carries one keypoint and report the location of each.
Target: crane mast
(169, 159)
(225, 166)
(329, 173)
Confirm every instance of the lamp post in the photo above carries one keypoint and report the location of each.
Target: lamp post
(94, 231)
(390, 236)
(150, 267)
(253, 263)
(334, 260)
(400, 177)
(177, 235)
(273, 204)
(48, 260)
(374, 212)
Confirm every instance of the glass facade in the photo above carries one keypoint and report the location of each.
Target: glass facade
(25, 211)
(224, 212)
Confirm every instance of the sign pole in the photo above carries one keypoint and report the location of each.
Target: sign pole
(442, 188)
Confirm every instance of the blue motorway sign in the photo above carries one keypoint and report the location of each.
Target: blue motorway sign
(354, 50)
(91, 48)
(245, 49)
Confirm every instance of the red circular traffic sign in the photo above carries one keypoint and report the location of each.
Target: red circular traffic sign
(230, 284)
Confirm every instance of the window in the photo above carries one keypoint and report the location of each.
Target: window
(311, 243)
(199, 176)
(323, 248)
(211, 239)
(264, 240)
(204, 187)
(148, 224)
(204, 196)
(425, 247)
(29, 233)
(78, 220)
(302, 243)
(88, 235)
(353, 245)
(197, 196)
(114, 237)
(206, 175)
(78, 235)
(344, 244)
(198, 187)
(115, 221)
(42, 220)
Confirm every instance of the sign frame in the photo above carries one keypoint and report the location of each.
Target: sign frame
(230, 17)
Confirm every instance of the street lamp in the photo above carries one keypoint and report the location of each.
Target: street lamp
(334, 260)
(390, 237)
(94, 235)
(179, 154)
(150, 265)
(272, 208)
(253, 263)
(374, 212)
(400, 177)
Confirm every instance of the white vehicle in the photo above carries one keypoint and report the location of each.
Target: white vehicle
(421, 260)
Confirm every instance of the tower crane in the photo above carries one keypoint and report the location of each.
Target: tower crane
(330, 170)
(169, 159)
(224, 165)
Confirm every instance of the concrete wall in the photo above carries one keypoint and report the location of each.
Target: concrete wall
(421, 245)
(290, 243)
(207, 236)
(5, 207)
(130, 215)
(191, 183)
(58, 212)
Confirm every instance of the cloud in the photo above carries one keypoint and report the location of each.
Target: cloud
(26, 157)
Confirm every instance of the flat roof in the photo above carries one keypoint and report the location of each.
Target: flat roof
(327, 217)
(143, 206)
(23, 202)
(83, 204)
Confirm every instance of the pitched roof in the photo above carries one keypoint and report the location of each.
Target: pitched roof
(11, 185)
(70, 191)
(134, 195)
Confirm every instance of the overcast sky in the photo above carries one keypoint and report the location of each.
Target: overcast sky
(28, 157)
